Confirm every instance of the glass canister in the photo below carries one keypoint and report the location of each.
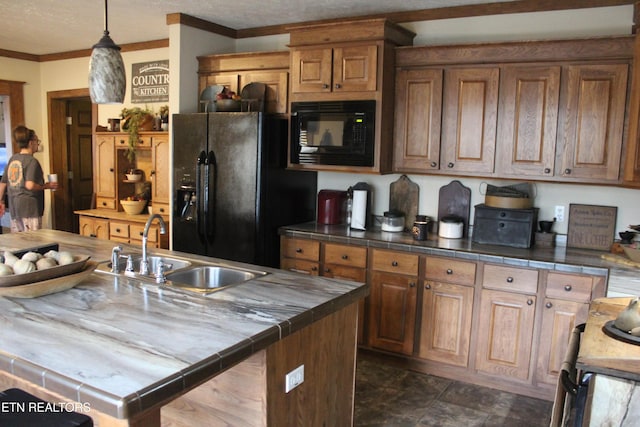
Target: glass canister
(393, 221)
(420, 228)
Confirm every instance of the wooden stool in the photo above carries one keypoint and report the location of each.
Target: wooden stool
(21, 409)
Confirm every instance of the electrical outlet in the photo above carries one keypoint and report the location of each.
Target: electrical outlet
(559, 213)
(293, 379)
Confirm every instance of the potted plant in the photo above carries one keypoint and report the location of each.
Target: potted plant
(135, 119)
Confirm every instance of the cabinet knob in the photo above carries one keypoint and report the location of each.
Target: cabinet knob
(427, 286)
(547, 170)
(345, 256)
(327, 270)
(450, 165)
(117, 230)
(567, 171)
(104, 203)
(140, 233)
(394, 263)
(110, 169)
(548, 305)
(299, 250)
(529, 302)
(314, 268)
(338, 86)
(509, 279)
(161, 210)
(434, 164)
(412, 284)
(567, 288)
(325, 86)
(152, 173)
(449, 271)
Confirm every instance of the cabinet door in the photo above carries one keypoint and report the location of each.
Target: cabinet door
(228, 80)
(505, 334)
(418, 118)
(105, 166)
(392, 314)
(161, 172)
(275, 101)
(559, 318)
(354, 68)
(470, 110)
(593, 124)
(311, 70)
(528, 120)
(445, 330)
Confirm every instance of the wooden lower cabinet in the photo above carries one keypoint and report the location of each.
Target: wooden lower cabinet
(94, 227)
(505, 334)
(445, 324)
(498, 325)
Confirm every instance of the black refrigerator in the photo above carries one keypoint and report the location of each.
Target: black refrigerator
(232, 190)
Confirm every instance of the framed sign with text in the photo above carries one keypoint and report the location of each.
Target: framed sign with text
(150, 82)
(591, 226)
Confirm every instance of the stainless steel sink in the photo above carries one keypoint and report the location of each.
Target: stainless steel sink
(171, 264)
(210, 278)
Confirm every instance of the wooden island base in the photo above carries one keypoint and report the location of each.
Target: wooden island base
(252, 393)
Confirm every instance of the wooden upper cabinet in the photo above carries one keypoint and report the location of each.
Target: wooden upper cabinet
(470, 109)
(235, 71)
(593, 125)
(418, 117)
(341, 69)
(105, 171)
(528, 118)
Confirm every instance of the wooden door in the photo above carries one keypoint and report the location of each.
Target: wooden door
(418, 117)
(311, 70)
(505, 334)
(445, 331)
(354, 68)
(392, 314)
(528, 120)
(559, 318)
(470, 109)
(276, 100)
(161, 172)
(593, 125)
(105, 166)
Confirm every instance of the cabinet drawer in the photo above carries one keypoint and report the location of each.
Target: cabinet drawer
(119, 229)
(137, 230)
(160, 208)
(300, 266)
(301, 249)
(572, 287)
(352, 256)
(395, 262)
(451, 271)
(514, 279)
(105, 203)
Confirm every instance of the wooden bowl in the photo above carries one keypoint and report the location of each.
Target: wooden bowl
(632, 253)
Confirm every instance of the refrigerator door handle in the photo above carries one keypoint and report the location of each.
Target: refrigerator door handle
(210, 208)
(200, 218)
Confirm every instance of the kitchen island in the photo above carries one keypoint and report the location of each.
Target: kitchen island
(142, 354)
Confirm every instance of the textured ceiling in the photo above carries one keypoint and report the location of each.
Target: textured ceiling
(52, 26)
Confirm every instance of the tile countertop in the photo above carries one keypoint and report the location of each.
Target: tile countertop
(622, 280)
(125, 346)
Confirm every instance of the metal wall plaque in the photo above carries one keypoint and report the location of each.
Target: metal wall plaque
(150, 82)
(591, 226)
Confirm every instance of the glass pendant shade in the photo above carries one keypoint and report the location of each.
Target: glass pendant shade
(107, 78)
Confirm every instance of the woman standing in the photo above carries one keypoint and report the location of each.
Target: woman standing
(23, 180)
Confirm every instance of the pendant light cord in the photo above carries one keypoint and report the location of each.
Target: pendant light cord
(106, 18)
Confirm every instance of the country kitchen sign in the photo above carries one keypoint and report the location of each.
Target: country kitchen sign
(150, 82)
(591, 226)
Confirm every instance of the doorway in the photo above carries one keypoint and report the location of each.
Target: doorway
(71, 118)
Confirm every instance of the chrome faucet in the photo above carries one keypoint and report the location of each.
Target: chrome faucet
(144, 264)
(115, 259)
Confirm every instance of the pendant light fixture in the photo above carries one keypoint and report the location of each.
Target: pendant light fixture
(107, 78)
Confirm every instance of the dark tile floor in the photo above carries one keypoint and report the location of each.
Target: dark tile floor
(387, 395)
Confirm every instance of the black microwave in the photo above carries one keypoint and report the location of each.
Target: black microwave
(333, 133)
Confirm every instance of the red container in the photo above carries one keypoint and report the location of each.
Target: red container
(331, 206)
